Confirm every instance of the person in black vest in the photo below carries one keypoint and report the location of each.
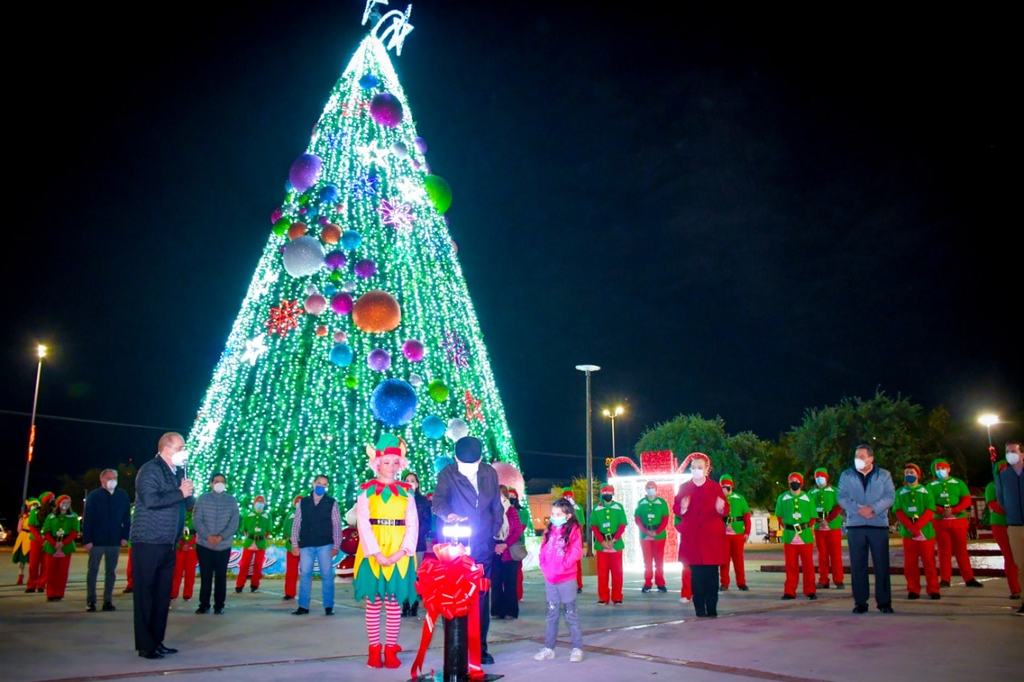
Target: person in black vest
(161, 493)
(468, 489)
(316, 534)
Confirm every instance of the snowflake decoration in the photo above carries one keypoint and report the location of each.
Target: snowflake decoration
(373, 154)
(262, 287)
(284, 318)
(254, 349)
(397, 215)
(206, 433)
(411, 190)
(455, 349)
(365, 186)
(473, 411)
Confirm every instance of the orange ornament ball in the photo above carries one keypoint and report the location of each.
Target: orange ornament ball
(377, 311)
(321, 330)
(331, 234)
(297, 230)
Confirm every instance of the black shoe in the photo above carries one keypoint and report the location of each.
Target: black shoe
(840, 586)
(645, 589)
(90, 608)
(29, 590)
(300, 611)
(107, 606)
(787, 597)
(203, 609)
(723, 588)
(126, 590)
(1015, 596)
(822, 586)
(165, 650)
(252, 588)
(486, 659)
(812, 597)
(662, 589)
(238, 590)
(973, 583)
(1020, 611)
(329, 611)
(934, 595)
(150, 654)
(53, 599)
(886, 608)
(185, 598)
(743, 588)
(943, 583)
(218, 612)
(602, 603)
(579, 590)
(618, 603)
(913, 595)
(860, 608)
(405, 610)
(287, 597)
(414, 610)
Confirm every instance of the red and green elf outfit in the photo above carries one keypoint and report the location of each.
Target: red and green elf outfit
(915, 509)
(291, 571)
(36, 558)
(828, 531)
(797, 514)
(185, 560)
(997, 522)
(608, 525)
(255, 529)
(737, 530)
(59, 533)
(652, 516)
(952, 500)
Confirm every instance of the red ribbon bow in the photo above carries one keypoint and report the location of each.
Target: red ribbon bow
(450, 588)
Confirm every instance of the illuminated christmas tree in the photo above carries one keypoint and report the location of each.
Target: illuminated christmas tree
(357, 320)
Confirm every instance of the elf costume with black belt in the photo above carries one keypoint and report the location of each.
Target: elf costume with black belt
(914, 509)
(828, 530)
(185, 560)
(952, 500)
(291, 570)
(797, 514)
(997, 522)
(608, 524)
(385, 572)
(36, 558)
(652, 516)
(23, 544)
(737, 531)
(255, 528)
(59, 533)
(568, 494)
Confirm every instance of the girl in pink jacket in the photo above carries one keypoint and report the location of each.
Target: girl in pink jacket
(561, 549)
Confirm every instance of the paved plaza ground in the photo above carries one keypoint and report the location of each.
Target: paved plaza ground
(969, 634)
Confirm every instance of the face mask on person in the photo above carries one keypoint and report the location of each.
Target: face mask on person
(651, 493)
(219, 487)
(65, 508)
(821, 481)
(860, 464)
(111, 484)
(726, 489)
(910, 479)
(179, 458)
(1012, 458)
(607, 497)
(943, 474)
(258, 506)
(558, 521)
(320, 490)
(698, 475)
(794, 485)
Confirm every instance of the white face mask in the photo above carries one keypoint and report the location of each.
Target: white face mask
(821, 480)
(111, 484)
(258, 506)
(860, 464)
(698, 475)
(651, 493)
(1012, 458)
(942, 473)
(179, 458)
(219, 487)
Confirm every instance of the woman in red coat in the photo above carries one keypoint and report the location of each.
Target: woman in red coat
(700, 507)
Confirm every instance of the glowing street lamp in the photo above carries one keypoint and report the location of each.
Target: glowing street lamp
(612, 414)
(40, 354)
(988, 420)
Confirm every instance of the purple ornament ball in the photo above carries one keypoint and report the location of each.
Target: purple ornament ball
(378, 360)
(335, 260)
(413, 350)
(304, 171)
(366, 268)
(341, 304)
(386, 110)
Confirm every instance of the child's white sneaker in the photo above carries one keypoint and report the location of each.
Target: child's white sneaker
(546, 654)
(576, 656)
(684, 600)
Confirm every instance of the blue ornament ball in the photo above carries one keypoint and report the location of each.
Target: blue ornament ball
(350, 240)
(393, 402)
(441, 462)
(368, 81)
(341, 354)
(434, 427)
(329, 193)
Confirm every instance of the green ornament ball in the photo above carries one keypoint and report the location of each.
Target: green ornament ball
(438, 391)
(281, 227)
(351, 381)
(439, 192)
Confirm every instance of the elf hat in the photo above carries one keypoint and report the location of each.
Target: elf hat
(726, 479)
(387, 444)
(914, 467)
(822, 472)
(259, 498)
(796, 476)
(46, 498)
(567, 492)
(940, 463)
(60, 500)
(607, 489)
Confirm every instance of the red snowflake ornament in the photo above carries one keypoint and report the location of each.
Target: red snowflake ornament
(473, 411)
(284, 318)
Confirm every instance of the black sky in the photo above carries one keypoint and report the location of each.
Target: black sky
(744, 214)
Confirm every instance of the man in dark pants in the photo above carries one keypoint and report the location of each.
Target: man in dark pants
(105, 531)
(161, 492)
(866, 493)
(468, 489)
(216, 520)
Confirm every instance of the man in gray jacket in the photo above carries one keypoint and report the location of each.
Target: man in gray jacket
(216, 520)
(866, 493)
(161, 493)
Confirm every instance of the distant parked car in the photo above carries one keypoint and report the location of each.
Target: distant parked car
(6, 536)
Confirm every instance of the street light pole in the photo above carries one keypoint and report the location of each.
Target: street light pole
(588, 370)
(619, 410)
(40, 353)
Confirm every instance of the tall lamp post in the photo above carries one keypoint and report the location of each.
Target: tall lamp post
(40, 353)
(988, 421)
(588, 370)
(612, 414)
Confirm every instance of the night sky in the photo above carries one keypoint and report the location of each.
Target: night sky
(742, 215)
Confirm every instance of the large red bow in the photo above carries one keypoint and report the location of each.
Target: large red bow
(451, 588)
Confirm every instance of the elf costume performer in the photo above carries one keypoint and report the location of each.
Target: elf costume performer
(952, 500)
(608, 525)
(185, 560)
(568, 494)
(797, 513)
(828, 530)
(997, 522)
(737, 531)
(23, 544)
(36, 558)
(914, 509)
(255, 529)
(291, 570)
(385, 571)
(59, 533)
(652, 517)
